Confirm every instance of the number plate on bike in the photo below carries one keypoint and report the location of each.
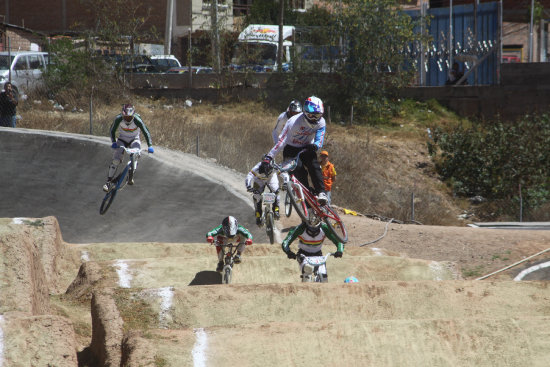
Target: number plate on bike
(269, 197)
(316, 260)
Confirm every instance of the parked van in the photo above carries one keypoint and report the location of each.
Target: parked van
(165, 62)
(23, 68)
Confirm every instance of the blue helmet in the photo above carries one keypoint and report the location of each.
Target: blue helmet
(351, 280)
(313, 110)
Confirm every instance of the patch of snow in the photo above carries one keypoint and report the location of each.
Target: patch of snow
(85, 256)
(19, 220)
(124, 277)
(167, 295)
(199, 349)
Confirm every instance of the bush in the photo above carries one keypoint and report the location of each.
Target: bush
(493, 160)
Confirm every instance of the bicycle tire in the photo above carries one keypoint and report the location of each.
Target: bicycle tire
(269, 227)
(299, 203)
(227, 275)
(335, 223)
(107, 201)
(288, 205)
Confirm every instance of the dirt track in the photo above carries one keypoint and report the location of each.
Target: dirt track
(159, 302)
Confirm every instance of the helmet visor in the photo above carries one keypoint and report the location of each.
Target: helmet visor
(313, 116)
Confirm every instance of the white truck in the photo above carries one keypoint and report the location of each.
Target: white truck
(257, 47)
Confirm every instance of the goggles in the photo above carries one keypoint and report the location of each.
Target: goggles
(315, 116)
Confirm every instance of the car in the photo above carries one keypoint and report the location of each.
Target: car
(131, 63)
(23, 68)
(164, 62)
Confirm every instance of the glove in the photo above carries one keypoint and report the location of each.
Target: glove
(210, 239)
(249, 189)
(291, 255)
(114, 145)
(150, 150)
(248, 242)
(338, 254)
(312, 147)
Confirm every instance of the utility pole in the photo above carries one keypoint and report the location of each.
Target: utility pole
(168, 28)
(531, 26)
(215, 36)
(281, 24)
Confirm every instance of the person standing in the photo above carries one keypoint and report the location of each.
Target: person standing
(8, 106)
(329, 174)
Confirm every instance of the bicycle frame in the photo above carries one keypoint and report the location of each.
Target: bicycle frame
(229, 251)
(121, 180)
(306, 204)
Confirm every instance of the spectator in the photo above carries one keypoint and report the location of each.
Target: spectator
(8, 104)
(329, 174)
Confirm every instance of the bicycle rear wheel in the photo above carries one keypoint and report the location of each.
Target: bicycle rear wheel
(332, 219)
(107, 201)
(269, 225)
(298, 201)
(227, 275)
(288, 205)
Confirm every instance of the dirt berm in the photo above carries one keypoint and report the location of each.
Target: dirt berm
(160, 304)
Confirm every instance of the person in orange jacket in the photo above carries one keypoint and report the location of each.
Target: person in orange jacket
(329, 173)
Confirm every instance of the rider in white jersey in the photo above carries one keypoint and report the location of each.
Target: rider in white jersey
(294, 108)
(260, 176)
(128, 124)
(305, 131)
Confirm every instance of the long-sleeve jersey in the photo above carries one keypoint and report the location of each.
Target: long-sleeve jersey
(308, 243)
(242, 234)
(129, 132)
(281, 121)
(260, 179)
(298, 133)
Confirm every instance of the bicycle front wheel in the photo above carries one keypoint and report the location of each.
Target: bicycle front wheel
(227, 275)
(297, 200)
(269, 225)
(335, 223)
(107, 201)
(288, 205)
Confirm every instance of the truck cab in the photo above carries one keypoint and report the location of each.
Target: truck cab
(257, 48)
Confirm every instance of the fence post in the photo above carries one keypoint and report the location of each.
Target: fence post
(197, 146)
(351, 119)
(91, 112)
(520, 205)
(412, 206)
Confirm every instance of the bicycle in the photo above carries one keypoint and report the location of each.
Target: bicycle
(268, 199)
(121, 180)
(229, 257)
(310, 267)
(306, 204)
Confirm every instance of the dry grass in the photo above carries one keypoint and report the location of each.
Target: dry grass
(378, 169)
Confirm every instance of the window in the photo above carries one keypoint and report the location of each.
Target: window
(21, 63)
(35, 62)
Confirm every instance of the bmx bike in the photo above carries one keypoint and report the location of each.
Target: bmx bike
(311, 266)
(121, 180)
(306, 204)
(229, 252)
(268, 217)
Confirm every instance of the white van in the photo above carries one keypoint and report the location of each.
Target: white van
(165, 62)
(23, 68)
